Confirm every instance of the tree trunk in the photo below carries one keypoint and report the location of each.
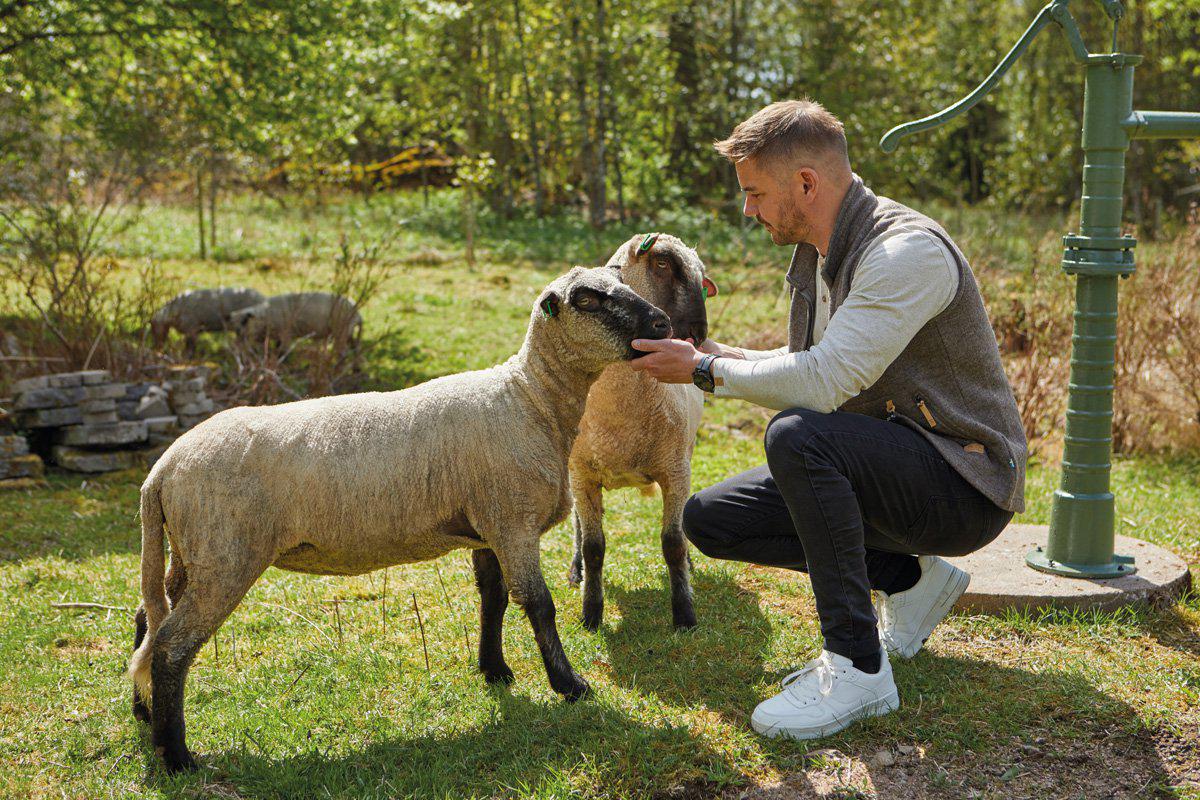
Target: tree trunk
(598, 200)
(539, 195)
(200, 212)
(212, 205)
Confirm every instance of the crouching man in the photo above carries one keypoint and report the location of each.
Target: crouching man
(898, 438)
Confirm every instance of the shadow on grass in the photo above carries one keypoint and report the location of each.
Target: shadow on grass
(526, 747)
(716, 664)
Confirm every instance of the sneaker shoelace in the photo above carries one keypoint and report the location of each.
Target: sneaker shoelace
(812, 681)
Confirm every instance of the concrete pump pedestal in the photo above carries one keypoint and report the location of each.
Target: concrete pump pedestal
(1000, 579)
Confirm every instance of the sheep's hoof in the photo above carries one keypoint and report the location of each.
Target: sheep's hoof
(591, 620)
(577, 690)
(685, 621)
(178, 761)
(498, 675)
(575, 574)
(141, 712)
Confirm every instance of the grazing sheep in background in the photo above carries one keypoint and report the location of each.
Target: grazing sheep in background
(348, 484)
(199, 310)
(289, 316)
(639, 432)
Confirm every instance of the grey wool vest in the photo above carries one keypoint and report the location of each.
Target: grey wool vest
(948, 384)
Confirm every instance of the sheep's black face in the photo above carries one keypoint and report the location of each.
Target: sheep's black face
(624, 313)
(670, 275)
(595, 317)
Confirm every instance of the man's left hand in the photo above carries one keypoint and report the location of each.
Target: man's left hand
(669, 360)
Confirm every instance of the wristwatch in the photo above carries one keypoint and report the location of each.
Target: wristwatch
(702, 375)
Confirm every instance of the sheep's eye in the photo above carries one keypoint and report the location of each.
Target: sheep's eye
(662, 263)
(586, 301)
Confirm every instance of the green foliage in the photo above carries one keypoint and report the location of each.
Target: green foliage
(605, 102)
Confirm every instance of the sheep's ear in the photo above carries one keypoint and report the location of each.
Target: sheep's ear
(710, 288)
(550, 305)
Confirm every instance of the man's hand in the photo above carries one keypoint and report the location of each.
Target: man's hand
(669, 360)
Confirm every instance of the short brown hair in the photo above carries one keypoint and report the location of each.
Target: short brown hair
(786, 131)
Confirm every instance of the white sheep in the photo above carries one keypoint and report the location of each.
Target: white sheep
(200, 310)
(348, 484)
(639, 432)
(290, 316)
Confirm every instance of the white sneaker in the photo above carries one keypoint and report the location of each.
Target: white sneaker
(824, 697)
(907, 618)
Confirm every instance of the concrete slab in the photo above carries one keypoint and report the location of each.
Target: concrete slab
(1000, 580)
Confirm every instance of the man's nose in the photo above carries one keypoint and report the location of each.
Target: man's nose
(748, 208)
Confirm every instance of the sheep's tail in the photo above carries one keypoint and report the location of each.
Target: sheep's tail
(154, 594)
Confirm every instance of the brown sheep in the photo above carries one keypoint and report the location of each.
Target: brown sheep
(639, 432)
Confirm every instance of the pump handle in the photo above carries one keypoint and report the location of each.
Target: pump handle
(1055, 11)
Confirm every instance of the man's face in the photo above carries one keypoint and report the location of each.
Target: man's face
(771, 200)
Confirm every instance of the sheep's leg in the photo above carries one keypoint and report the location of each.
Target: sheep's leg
(207, 600)
(589, 520)
(520, 561)
(176, 580)
(141, 711)
(575, 573)
(493, 600)
(675, 549)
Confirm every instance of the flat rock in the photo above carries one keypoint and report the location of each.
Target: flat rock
(29, 384)
(163, 424)
(136, 391)
(64, 380)
(78, 460)
(104, 391)
(50, 417)
(109, 435)
(13, 446)
(188, 421)
(186, 385)
(15, 484)
(97, 406)
(202, 407)
(127, 409)
(95, 376)
(101, 418)
(47, 398)
(23, 466)
(187, 398)
(151, 406)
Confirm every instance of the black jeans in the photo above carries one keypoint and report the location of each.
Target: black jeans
(848, 499)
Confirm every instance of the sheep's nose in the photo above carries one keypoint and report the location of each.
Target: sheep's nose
(661, 326)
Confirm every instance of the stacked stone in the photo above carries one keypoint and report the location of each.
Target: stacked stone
(15, 459)
(185, 389)
(87, 430)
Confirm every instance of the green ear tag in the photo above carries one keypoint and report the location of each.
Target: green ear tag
(647, 243)
(547, 309)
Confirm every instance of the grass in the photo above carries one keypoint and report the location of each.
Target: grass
(318, 687)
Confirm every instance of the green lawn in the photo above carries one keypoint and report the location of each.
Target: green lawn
(318, 687)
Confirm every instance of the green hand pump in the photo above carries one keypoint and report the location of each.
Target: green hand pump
(1082, 533)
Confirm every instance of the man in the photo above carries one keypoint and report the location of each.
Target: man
(898, 439)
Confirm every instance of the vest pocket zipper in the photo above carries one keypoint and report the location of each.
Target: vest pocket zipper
(925, 412)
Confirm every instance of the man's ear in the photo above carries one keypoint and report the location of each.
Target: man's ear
(806, 180)
(550, 305)
(710, 288)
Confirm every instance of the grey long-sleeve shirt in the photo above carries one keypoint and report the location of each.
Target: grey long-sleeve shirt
(906, 278)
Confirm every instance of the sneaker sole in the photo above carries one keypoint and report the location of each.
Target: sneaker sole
(954, 588)
(876, 708)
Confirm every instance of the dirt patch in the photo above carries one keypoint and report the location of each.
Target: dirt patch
(1152, 763)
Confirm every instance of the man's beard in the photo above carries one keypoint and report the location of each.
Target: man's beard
(794, 228)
